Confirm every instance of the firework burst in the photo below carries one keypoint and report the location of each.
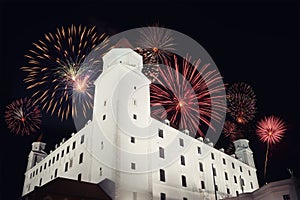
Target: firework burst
(241, 102)
(230, 130)
(270, 130)
(23, 117)
(56, 72)
(185, 96)
(155, 45)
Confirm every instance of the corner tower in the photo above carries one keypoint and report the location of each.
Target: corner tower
(243, 152)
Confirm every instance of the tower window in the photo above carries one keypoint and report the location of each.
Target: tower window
(100, 171)
(201, 166)
(182, 160)
(242, 182)
(162, 196)
(82, 139)
(33, 174)
(202, 185)
(212, 156)
(79, 177)
(134, 87)
(237, 193)
(71, 163)
(183, 181)
(134, 116)
(74, 145)
(103, 117)
(162, 175)
(160, 133)
(199, 150)
(181, 142)
(102, 145)
(132, 140)
(224, 161)
(81, 158)
(36, 171)
(161, 152)
(132, 165)
(66, 166)
(249, 172)
(226, 176)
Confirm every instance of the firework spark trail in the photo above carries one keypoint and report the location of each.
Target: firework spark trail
(187, 94)
(23, 117)
(230, 130)
(55, 70)
(241, 102)
(270, 130)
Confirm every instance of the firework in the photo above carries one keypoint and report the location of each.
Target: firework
(270, 130)
(230, 130)
(241, 102)
(56, 71)
(185, 95)
(23, 117)
(155, 45)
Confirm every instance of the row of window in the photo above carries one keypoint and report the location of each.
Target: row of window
(56, 158)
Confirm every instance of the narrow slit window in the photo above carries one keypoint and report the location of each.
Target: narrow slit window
(161, 152)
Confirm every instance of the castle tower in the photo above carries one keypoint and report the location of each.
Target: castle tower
(36, 154)
(243, 152)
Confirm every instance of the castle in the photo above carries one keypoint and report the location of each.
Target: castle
(134, 156)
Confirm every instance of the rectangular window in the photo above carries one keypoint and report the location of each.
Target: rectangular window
(199, 150)
(241, 169)
(162, 196)
(242, 182)
(41, 168)
(160, 133)
(68, 149)
(249, 172)
(286, 197)
(251, 184)
(237, 193)
(132, 140)
(45, 165)
(41, 181)
(82, 139)
(57, 157)
(182, 160)
(53, 159)
(134, 116)
(134, 102)
(212, 156)
(103, 117)
(235, 180)
(184, 198)
(81, 158)
(71, 163)
(62, 153)
(66, 166)
(226, 176)
(181, 142)
(132, 165)
(201, 166)
(162, 175)
(228, 191)
(161, 152)
(183, 181)
(49, 163)
(224, 161)
(232, 164)
(79, 177)
(55, 173)
(202, 185)
(30, 175)
(214, 171)
(37, 171)
(104, 103)
(216, 188)
(74, 145)
(33, 174)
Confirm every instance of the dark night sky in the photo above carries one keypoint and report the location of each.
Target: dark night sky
(257, 43)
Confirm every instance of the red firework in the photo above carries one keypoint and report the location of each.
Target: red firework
(185, 94)
(23, 117)
(230, 130)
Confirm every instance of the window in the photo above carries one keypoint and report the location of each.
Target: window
(132, 165)
(134, 87)
(66, 166)
(234, 177)
(36, 171)
(249, 172)
(79, 177)
(286, 197)
(81, 158)
(199, 150)
(57, 157)
(216, 188)
(53, 159)
(104, 103)
(45, 165)
(181, 142)
(214, 172)
(183, 181)
(202, 185)
(30, 175)
(71, 163)
(82, 139)
(132, 140)
(160, 133)
(49, 163)
(134, 116)
(62, 153)
(55, 173)
(74, 145)
(232, 164)
(241, 169)
(237, 193)
(100, 171)
(41, 168)
(201, 166)
(102, 145)
(224, 161)
(33, 174)
(103, 117)
(242, 182)
(162, 175)
(162, 196)
(182, 160)
(161, 152)
(134, 102)
(251, 184)
(226, 176)
(212, 156)
(228, 191)
(41, 181)
(184, 198)
(68, 149)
